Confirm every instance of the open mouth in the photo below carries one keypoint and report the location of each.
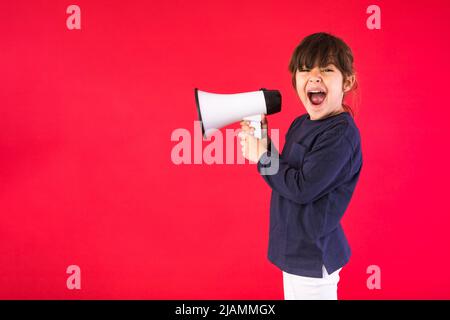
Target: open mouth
(316, 96)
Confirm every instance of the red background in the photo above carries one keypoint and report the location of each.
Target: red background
(86, 176)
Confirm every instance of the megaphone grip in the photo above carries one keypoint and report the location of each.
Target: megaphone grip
(258, 129)
(255, 122)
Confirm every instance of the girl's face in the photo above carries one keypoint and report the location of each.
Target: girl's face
(321, 90)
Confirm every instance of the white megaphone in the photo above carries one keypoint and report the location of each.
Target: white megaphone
(219, 110)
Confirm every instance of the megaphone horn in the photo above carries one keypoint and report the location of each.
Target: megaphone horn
(219, 110)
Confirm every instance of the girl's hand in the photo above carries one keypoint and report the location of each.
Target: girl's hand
(253, 148)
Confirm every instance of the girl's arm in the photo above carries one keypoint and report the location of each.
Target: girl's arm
(322, 169)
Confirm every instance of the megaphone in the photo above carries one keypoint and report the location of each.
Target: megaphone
(219, 110)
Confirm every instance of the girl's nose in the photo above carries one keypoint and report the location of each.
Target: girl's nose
(315, 75)
(315, 79)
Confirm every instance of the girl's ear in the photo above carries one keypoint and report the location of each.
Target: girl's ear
(349, 82)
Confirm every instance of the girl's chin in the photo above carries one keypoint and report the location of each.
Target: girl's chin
(317, 108)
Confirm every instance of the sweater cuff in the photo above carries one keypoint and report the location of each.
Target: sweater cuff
(268, 160)
(265, 158)
(264, 163)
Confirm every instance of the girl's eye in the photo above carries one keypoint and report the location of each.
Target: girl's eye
(302, 70)
(328, 70)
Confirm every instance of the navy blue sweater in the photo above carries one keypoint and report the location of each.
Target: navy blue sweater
(319, 167)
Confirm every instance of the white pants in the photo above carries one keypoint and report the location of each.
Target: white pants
(307, 288)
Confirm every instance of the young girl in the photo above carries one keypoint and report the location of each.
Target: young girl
(318, 169)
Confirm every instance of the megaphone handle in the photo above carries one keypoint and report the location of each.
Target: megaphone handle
(255, 122)
(257, 126)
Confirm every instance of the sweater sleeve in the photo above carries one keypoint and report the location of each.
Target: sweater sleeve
(320, 171)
